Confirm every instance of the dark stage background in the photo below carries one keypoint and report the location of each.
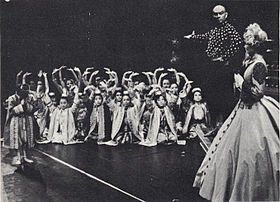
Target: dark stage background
(121, 34)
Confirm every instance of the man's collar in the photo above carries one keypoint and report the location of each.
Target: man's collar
(222, 24)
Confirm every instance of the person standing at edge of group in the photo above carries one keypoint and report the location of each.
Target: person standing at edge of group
(223, 50)
(242, 163)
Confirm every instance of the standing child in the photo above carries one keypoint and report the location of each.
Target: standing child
(20, 125)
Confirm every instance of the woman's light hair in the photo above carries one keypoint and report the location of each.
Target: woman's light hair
(254, 35)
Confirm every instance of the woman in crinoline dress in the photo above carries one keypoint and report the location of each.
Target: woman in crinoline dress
(242, 163)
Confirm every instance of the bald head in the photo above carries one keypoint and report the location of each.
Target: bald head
(219, 8)
(219, 13)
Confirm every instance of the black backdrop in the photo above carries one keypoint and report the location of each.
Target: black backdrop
(121, 34)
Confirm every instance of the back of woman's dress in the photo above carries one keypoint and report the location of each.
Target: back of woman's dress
(242, 163)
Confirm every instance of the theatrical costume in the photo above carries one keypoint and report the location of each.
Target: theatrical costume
(145, 116)
(62, 125)
(100, 123)
(125, 125)
(20, 126)
(242, 163)
(162, 127)
(225, 42)
(197, 123)
(42, 117)
(81, 116)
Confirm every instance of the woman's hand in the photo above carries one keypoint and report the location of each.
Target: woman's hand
(238, 80)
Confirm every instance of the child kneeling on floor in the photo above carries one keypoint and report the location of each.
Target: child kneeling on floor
(62, 125)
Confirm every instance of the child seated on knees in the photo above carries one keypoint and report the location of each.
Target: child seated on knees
(197, 122)
(100, 119)
(42, 114)
(145, 116)
(125, 123)
(162, 127)
(62, 125)
(115, 100)
(80, 116)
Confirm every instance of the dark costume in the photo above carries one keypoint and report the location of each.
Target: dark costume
(222, 41)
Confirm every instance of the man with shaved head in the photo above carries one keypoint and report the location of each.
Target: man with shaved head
(223, 44)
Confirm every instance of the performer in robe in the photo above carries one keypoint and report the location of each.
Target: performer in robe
(198, 122)
(62, 125)
(125, 123)
(145, 116)
(100, 119)
(20, 126)
(242, 163)
(81, 119)
(42, 114)
(162, 128)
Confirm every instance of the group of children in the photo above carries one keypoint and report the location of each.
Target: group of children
(91, 108)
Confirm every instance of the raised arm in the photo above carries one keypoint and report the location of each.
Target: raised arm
(187, 85)
(24, 77)
(54, 80)
(160, 78)
(76, 99)
(40, 74)
(124, 79)
(60, 76)
(75, 76)
(85, 74)
(76, 69)
(18, 84)
(47, 87)
(116, 81)
(155, 81)
(91, 88)
(148, 74)
(132, 75)
(92, 76)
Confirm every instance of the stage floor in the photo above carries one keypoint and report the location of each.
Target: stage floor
(87, 172)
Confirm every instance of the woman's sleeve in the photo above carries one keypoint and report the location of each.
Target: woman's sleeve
(253, 91)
